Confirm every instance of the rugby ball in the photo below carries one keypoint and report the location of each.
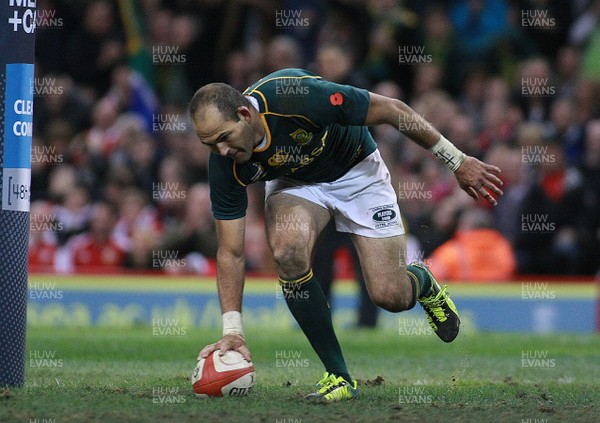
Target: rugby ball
(222, 376)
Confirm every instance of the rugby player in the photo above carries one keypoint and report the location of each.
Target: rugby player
(312, 146)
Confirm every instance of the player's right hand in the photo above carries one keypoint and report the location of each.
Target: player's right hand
(228, 342)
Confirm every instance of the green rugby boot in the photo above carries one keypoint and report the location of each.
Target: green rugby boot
(439, 308)
(333, 388)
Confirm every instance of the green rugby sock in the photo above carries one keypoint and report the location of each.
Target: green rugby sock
(310, 308)
(421, 278)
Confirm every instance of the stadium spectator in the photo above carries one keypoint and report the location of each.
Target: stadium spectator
(478, 25)
(95, 249)
(135, 214)
(477, 252)
(335, 62)
(497, 127)
(194, 237)
(170, 191)
(563, 127)
(74, 212)
(549, 214)
(57, 97)
(568, 61)
(133, 94)
(95, 49)
(43, 241)
(282, 52)
(535, 87)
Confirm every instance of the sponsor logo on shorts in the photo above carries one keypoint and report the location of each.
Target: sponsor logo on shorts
(384, 216)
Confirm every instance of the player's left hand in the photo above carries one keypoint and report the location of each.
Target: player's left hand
(479, 179)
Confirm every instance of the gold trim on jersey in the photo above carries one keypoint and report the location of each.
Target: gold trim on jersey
(236, 176)
(263, 99)
(267, 112)
(268, 133)
(298, 116)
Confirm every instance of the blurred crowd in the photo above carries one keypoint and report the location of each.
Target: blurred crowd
(119, 179)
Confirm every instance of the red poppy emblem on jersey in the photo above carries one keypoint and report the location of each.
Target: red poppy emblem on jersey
(336, 99)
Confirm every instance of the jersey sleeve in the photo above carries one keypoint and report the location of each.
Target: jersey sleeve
(228, 196)
(332, 103)
(326, 103)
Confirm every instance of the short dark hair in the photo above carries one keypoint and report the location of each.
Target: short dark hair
(226, 99)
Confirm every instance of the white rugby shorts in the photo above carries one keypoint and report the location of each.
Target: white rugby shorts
(362, 201)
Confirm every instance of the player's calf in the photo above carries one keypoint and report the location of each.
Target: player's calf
(395, 296)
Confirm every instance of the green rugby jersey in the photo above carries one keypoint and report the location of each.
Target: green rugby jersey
(314, 133)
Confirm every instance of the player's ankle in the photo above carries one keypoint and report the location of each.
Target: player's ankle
(423, 279)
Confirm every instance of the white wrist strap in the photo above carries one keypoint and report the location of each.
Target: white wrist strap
(232, 323)
(448, 154)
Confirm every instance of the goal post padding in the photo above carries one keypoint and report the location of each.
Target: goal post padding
(17, 39)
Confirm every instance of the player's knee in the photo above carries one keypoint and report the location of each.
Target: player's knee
(291, 259)
(393, 303)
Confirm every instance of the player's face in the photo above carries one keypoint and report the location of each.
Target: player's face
(227, 138)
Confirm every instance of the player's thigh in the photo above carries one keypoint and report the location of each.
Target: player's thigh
(293, 225)
(383, 263)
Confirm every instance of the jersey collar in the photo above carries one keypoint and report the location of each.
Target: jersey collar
(264, 142)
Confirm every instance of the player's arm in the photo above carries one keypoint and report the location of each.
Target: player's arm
(474, 177)
(230, 284)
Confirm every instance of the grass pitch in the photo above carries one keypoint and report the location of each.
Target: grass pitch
(136, 375)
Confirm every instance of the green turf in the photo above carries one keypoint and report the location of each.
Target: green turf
(123, 375)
